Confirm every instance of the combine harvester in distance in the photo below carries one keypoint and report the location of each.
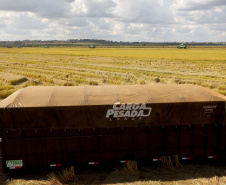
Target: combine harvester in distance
(182, 46)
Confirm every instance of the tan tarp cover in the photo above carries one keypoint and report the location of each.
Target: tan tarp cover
(92, 106)
(107, 95)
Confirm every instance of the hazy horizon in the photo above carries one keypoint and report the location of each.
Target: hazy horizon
(126, 20)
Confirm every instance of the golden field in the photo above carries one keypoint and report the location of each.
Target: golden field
(203, 54)
(20, 67)
(183, 175)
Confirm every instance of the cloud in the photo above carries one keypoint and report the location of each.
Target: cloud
(93, 8)
(194, 5)
(44, 8)
(15, 23)
(27, 22)
(146, 11)
(200, 12)
(126, 20)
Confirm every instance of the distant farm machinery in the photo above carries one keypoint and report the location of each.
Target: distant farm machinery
(182, 46)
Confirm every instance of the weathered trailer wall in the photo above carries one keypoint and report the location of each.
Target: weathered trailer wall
(105, 116)
(44, 148)
(49, 126)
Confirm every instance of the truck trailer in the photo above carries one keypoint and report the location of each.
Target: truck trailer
(42, 127)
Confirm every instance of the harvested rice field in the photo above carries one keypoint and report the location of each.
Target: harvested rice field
(183, 175)
(21, 67)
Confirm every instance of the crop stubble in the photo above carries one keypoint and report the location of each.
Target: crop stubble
(104, 66)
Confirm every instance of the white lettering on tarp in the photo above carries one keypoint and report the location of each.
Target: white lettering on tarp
(210, 106)
(110, 112)
(128, 110)
(209, 109)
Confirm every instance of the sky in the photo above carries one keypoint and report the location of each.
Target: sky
(116, 20)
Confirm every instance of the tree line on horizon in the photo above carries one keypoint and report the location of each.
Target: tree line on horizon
(87, 42)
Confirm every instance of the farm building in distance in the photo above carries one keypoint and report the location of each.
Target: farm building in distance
(59, 126)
